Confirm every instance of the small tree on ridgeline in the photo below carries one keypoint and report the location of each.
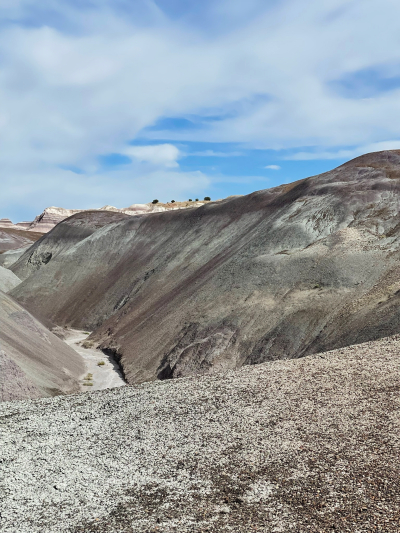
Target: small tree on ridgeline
(154, 202)
(207, 199)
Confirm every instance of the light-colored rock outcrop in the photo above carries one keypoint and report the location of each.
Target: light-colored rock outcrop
(52, 216)
(289, 446)
(6, 223)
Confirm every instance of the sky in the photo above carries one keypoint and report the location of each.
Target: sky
(123, 101)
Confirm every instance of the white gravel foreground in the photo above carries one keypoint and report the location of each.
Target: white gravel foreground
(301, 445)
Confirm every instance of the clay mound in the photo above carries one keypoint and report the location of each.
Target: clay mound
(64, 236)
(8, 280)
(11, 238)
(304, 445)
(279, 273)
(11, 256)
(33, 361)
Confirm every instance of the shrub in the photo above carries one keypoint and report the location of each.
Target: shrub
(154, 202)
(87, 344)
(88, 384)
(196, 200)
(100, 363)
(172, 201)
(207, 199)
(190, 200)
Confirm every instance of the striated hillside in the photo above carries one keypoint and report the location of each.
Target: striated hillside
(279, 273)
(11, 238)
(290, 446)
(51, 216)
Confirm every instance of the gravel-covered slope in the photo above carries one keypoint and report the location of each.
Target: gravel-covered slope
(309, 445)
(279, 273)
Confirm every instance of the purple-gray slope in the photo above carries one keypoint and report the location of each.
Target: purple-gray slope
(279, 273)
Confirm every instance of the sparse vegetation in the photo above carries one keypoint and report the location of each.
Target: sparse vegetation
(196, 200)
(87, 380)
(190, 200)
(172, 201)
(207, 199)
(86, 332)
(87, 344)
(100, 363)
(154, 202)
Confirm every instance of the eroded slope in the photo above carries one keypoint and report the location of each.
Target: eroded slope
(33, 361)
(279, 273)
(8, 280)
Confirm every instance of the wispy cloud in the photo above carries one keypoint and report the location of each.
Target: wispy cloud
(212, 153)
(80, 80)
(344, 154)
(273, 167)
(157, 154)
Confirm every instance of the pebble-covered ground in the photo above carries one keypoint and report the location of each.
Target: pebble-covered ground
(309, 445)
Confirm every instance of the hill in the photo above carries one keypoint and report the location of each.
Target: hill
(280, 273)
(33, 361)
(11, 238)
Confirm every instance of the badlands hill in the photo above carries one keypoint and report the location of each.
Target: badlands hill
(8, 280)
(12, 238)
(308, 445)
(51, 216)
(33, 361)
(277, 274)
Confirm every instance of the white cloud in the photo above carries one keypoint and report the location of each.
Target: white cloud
(156, 154)
(273, 167)
(345, 154)
(77, 83)
(212, 153)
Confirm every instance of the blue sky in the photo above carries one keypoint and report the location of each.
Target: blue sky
(120, 101)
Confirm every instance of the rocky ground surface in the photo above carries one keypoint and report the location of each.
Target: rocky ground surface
(307, 445)
(101, 370)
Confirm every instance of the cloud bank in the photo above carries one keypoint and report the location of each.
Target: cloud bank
(82, 80)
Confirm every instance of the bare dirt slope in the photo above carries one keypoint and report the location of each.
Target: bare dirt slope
(33, 361)
(11, 238)
(11, 256)
(279, 273)
(8, 280)
(309, 445)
